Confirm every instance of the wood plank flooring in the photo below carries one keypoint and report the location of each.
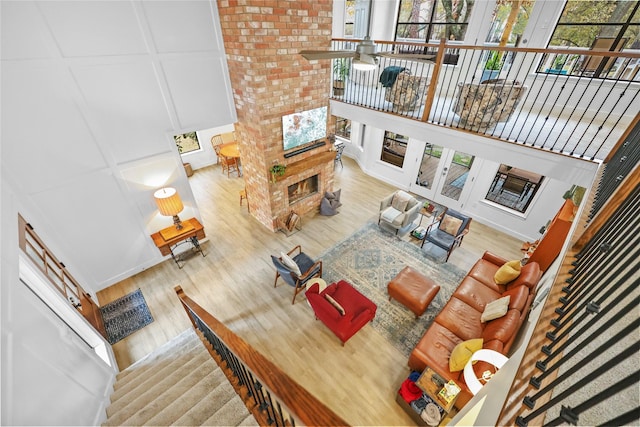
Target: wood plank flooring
(234, 282)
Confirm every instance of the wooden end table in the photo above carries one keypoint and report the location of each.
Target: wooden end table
(168, 239)
(433, 384)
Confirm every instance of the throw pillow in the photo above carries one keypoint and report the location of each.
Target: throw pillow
(508, 272)
(462, 353)
(495, 309)
(335, 303)
(333, 194)
(400, 200)
(450, 225)
(290, 263)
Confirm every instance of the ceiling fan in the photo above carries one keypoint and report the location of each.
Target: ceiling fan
(365, 52)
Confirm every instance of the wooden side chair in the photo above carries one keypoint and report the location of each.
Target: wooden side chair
(243, 196)
(296, 268)
(230, 165)
(216, 142)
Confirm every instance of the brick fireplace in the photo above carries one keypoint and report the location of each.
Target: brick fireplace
(270, 79)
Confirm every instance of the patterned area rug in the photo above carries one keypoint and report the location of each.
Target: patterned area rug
(125, 315)
(369, 259)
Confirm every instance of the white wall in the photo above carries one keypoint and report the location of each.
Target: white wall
(92, 94)
(560, 172)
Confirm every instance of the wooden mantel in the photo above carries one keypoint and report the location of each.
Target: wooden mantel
(307, 163)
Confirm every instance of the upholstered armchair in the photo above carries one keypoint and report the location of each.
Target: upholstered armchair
(342, 308)
(408, 92)
(483, 105)
(296, 268)
(448, 232)
(398, 210)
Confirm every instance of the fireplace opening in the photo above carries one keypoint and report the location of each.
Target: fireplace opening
(303, 189)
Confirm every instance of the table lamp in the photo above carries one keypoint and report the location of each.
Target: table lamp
(169, 204)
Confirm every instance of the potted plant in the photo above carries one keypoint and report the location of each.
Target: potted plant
(492, 67)
(277, 170)
(340, 74)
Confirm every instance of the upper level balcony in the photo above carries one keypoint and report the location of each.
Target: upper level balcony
(574, 102)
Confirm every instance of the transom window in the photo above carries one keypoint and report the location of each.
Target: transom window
(430, 20)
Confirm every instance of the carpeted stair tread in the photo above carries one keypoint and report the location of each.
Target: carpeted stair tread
(179, 373)
(210, 402)
(179, 345)
(233, 413)
(179, 383)
(173, 403)
(159, 370)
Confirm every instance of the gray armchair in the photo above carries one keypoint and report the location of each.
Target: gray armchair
(398, 211)
(448, 232)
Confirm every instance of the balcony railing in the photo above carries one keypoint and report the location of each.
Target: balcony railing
(544, 98)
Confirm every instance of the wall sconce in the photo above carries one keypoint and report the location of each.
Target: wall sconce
(169, 204)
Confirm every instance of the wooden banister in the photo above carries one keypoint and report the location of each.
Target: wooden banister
(301, 406)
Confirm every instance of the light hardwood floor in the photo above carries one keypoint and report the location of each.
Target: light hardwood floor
(234, 282)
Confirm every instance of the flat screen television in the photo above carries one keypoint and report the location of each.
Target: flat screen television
(301, 128)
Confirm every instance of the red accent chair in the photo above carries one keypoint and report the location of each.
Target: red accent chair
(357, 308)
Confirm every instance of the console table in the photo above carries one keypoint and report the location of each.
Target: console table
(168, 239)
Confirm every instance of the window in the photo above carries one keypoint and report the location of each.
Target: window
(394, 148)
(343, 128)
(187, 142)
(431, 20)
(514, 188)
(596, 25)
(500, 25)
(349, 17)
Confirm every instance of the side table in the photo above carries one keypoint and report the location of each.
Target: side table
(168, 239)
(443, 393)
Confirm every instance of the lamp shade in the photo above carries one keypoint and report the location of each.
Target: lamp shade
(168, 201)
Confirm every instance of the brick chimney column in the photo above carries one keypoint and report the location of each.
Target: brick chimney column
(270, 79)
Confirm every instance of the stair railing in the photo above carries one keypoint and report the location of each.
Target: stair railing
(271, 395)
(587, 335)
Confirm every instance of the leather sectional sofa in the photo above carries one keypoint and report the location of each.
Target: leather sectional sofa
(460, 319)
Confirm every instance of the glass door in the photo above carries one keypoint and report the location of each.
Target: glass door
(442, 175)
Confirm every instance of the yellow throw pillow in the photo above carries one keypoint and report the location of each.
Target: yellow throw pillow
(462, 353)
(508, 272)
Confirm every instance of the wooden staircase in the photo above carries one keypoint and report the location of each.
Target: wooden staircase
(177, 384)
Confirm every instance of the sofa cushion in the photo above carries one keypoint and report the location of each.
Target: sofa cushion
(290, 264)
(335, 304)
(503, 328)
(390, 214)
(530, 274)
(508, 272)
(462, 352)
(461, 319)
(484, 271)
(495, 309)
(434, 349)
(475, 293)
(519, 297)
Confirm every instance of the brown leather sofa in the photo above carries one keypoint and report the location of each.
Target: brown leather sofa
(459, 319)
